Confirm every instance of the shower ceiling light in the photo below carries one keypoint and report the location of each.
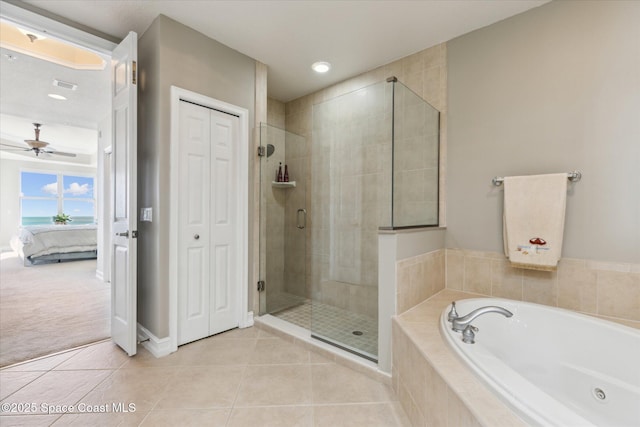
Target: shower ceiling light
(321, 67)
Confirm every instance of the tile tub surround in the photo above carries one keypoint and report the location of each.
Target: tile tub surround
(418, 278)
(433, 385)
(604, 289)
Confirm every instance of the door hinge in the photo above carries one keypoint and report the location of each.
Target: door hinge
(260, 285)
(261, 151)
(134, 234)
(134, 71)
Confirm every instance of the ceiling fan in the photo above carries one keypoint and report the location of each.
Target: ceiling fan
(37, 146)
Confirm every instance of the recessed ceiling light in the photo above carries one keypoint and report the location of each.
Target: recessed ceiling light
(56, 96)
(321, 67)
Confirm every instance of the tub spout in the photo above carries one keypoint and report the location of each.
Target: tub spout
(461, 322)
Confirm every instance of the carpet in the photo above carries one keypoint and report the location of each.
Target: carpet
(49, 308)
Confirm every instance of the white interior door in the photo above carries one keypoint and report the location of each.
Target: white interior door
(124, 192)
(224, 222)
(194, 235)
(207, 263)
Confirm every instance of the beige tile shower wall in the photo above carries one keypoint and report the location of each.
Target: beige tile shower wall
(418, 278)
(351, 146)
(610, 290)
(275, 113)
(293, 246)
(294, 238)
(415, 146)
(273, 245)
(425, 73)
(275, 200)
(258, 242)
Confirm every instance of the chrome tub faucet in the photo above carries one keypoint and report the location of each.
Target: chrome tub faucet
(463, 324)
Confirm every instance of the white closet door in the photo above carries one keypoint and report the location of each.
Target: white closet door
(195, 212)
(208, 232)
(224, 222)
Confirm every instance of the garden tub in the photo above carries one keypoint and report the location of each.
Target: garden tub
(551, 366)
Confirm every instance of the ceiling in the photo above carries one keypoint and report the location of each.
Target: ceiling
(288, 36)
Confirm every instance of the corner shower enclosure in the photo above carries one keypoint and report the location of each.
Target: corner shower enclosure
(370, 164)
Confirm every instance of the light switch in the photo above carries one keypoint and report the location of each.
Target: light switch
(146, 214)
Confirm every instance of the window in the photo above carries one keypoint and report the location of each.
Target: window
(44, 195)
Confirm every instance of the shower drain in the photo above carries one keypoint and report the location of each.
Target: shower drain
(358, 333)
(599, 394)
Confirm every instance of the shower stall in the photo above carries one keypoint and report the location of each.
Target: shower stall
(370, 164)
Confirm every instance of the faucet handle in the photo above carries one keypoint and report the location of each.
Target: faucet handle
(453, 314)
(469, 334)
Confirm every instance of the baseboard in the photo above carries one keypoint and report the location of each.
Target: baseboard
(247, 321)
(159, 347)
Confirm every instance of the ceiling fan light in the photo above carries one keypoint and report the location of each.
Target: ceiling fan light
(32, 35)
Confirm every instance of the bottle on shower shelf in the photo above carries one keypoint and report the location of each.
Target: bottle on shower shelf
(279, 178)
(286, 173)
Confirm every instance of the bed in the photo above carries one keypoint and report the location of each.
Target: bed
(55, 243)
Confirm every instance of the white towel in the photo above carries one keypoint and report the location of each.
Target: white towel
(533, 220)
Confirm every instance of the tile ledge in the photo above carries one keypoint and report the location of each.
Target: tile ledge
(458, 378)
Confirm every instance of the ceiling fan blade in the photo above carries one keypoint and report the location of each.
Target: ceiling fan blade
(61, 153)
(15, 147)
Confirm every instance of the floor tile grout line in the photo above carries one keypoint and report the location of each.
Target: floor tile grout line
(95, 386)
(161, 394)
(238, 388)
(20, 388)
(313, 395)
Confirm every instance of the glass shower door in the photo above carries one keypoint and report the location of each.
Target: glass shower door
(351, 197)
(283, 225)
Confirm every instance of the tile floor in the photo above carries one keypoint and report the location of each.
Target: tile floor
(335, 325)
(243, 377)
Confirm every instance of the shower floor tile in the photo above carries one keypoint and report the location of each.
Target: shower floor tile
(336, 325)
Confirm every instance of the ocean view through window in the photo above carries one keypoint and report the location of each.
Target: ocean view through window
(44, 195)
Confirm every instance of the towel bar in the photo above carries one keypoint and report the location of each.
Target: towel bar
(574, 176)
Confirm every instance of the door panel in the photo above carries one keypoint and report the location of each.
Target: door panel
(195, 276)
(194, 240)
(224, 306)
(119, 289)
(124, 192)
(196, 170)
(222, 279)
(222, 193)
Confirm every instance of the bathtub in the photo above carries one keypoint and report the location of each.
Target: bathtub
(553, 367)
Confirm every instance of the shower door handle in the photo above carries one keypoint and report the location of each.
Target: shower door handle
(304, 218)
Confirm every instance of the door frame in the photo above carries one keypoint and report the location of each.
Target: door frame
(245, 317)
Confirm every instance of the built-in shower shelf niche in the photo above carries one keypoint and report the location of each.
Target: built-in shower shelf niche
(289, 184)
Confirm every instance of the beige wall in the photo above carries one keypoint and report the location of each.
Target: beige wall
(170, 53)
(551, 90)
